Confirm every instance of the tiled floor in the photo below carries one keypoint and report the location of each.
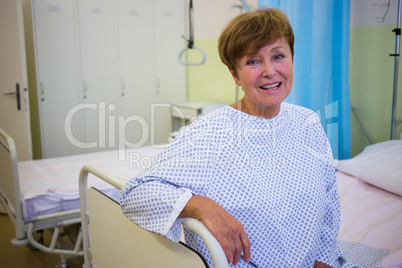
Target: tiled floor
(21, 257)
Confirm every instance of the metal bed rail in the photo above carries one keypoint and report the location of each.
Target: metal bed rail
(215, 249)
(26, 232)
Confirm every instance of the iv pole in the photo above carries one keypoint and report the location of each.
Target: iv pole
(395, 122)
(245, 6)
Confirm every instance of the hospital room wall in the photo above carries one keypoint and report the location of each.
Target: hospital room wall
(372, 70)
(212, 81)
(371, 83)
(371, 67)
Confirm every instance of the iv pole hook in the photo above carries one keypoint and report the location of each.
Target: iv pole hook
(191, 42)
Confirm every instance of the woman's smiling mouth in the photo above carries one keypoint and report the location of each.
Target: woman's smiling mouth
(271, 87)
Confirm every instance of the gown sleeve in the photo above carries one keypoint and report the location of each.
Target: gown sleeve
(155, 198)
(318, 144)
(327, 249)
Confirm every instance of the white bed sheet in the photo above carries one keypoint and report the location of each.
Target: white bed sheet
(51, 185)
(371, 216)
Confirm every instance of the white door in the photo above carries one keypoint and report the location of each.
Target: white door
(57, 58)
(14, 107)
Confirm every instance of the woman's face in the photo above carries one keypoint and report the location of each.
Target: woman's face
(266, 78)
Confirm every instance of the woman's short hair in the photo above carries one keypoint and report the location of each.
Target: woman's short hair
(249, 32)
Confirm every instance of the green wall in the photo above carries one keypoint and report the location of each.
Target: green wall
(211, 81)
(371, 83)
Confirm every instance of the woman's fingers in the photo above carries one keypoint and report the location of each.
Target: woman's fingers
(226, 229)
(230, 234)
(237, 253)
(230, 241)
(227, 247)
(238, 232)
(246, 247)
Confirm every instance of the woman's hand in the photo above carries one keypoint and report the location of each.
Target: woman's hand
(227, 230)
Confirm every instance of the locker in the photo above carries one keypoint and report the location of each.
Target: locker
(101, 66)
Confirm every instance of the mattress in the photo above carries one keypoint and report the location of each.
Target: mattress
(371, 216)
(51, 185)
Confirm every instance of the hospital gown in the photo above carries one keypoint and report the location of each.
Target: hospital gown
(275, 176)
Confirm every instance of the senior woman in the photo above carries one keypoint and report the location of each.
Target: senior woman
(257, 173)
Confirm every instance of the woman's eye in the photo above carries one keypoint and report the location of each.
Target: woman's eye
(252, 62)
(279, 56)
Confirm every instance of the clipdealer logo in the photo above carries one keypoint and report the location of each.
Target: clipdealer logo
(111, 129)
(111, 132)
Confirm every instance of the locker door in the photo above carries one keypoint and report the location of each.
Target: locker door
(171, 75)
(137, 61)
(56, 66)
(101, 89)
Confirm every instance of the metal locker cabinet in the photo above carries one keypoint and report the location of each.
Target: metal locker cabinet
(137, 68)
(56, 52)
(99, 68)
(171, 75)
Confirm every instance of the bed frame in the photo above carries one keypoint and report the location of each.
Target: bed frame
(131, 244)
(29, 233)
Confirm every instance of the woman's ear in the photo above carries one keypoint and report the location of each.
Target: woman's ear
(236, 79)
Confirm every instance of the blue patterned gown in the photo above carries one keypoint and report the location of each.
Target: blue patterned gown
(275, 176)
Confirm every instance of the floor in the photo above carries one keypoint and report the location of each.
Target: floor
(21, 257)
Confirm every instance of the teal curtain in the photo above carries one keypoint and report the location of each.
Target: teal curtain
(321, 64)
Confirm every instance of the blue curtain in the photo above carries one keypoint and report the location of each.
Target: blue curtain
(321, 64)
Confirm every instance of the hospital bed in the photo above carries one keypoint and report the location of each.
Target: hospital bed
(42, 195)
(370, 189)
(39, 190)
(28, 230)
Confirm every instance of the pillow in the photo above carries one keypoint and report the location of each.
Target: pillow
(379, 164)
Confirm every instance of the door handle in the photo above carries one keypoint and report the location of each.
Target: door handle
(17, 94)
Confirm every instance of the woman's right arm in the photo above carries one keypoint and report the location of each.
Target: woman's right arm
(224, 227)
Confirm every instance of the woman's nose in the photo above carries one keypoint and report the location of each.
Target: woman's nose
(269, 70)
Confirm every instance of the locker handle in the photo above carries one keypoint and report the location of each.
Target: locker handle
(42, 89)
(17, 93)
(84, 89)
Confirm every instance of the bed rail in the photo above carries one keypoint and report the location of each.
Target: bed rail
(10, 187)
(216, 251)
(10, 198)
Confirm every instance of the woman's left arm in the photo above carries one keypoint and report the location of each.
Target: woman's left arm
(327, 253)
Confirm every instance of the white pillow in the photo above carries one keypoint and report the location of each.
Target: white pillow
(379, 164)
